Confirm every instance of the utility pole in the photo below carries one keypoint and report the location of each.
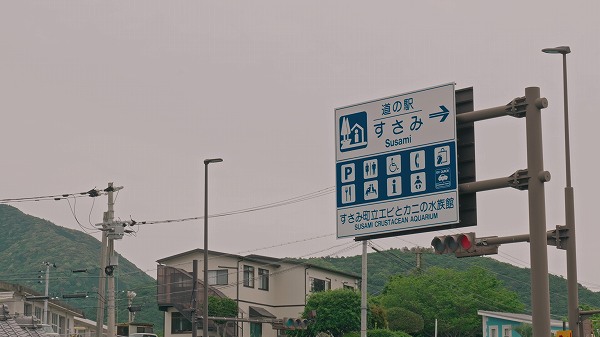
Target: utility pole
(102, 278)
(45, 317)
(108, 262)
(419, 254)
(130, 296)
(111, 263)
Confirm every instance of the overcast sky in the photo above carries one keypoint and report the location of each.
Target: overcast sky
(139, 93)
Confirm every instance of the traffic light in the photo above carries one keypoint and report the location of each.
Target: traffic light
(134, 308)
(462, 245)
(453, 243)
(290, 323)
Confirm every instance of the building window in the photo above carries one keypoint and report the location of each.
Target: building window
(507, 330)
(255, 329)
(38, 313)
(346, 286)
(317, 285)
(263, 279)
(180, 324)
(28, 309)
(218, 277)
(493, 332)
(249, 276)
(54, 322)
(62, 327)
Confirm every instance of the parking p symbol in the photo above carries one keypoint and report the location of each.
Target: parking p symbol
(347, 172)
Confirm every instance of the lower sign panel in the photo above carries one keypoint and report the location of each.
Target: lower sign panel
(398, 215)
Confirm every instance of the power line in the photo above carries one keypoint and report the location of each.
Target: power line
(91, 193)
(284, 202)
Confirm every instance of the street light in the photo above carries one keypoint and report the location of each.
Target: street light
(569, 207)
(205, 304)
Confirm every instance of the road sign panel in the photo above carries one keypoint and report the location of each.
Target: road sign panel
(396, 163)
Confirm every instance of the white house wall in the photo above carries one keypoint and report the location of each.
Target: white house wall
(289, 286)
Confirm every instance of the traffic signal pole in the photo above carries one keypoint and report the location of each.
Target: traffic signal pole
(532, 179)
(540, 290)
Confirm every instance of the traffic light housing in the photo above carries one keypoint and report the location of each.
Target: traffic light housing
(462, 245)
(453, 243)
(134, 308)
(291, 323)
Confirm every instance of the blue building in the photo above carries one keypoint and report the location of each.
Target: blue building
(502, 324)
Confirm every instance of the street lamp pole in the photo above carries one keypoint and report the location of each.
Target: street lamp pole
(572, 285)
(205, 297)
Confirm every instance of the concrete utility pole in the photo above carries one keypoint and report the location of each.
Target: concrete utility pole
(45, 317)
(540, 296)
(111, 278)
(419, 254)
(102, 279)
(107, 264)
(130, 296)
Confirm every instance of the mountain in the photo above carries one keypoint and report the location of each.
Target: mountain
(382, 265)
(27, 241)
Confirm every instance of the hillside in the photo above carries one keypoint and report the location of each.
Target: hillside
(402, 261)
(27, 241)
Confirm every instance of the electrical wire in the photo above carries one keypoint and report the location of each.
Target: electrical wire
(73, 211)
(91, 193)
(280, 203)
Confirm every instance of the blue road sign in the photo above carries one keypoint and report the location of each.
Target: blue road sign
(396, 166)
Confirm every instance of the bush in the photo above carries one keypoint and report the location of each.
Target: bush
(352, 334)
(379, 333)
(400, 319)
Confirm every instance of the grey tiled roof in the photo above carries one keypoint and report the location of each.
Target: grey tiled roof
(10, 328)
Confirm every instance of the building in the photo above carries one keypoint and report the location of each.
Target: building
(264, 288)
(22, 301)
(9, 327)
(503, 324)
(86, 327)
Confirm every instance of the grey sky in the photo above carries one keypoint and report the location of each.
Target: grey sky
(141, 92)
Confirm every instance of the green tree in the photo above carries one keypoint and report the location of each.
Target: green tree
(377, 317)
(386, 333)
(452, 297)
(524, 329)
(221, 307)
(401, 319)
(338, 312)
